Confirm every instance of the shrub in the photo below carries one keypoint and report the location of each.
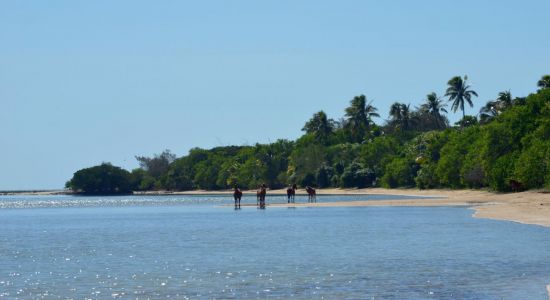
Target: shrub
(399, 172)
(533, 164)
(308, 180)
(101, 180)
(501, 172)
(356, 175)
(425, 178)
(323, 177)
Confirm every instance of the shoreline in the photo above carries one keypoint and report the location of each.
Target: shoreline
(529, 207)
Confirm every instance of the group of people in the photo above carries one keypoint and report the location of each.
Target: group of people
(262, 191)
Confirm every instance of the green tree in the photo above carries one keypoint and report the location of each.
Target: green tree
(495, 107)
(157, 165)
(467, 121)
(359, 117)
(104, 179)
(459, 92)
(141, 181)
(401, 117)
(544, 82)
(533, 164)
(488, 112)
(399, 172)
(434, 106)
(305, 161)
(376, 154)
(320, 126)
(504, 100)
(324, 175)
(356, 175)
(178, 177)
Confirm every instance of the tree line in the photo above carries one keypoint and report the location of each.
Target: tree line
(507, 142)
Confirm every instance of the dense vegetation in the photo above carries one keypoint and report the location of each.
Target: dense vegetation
(509, 142)
(104, 179)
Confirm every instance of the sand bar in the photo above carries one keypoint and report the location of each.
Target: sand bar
(530, 207)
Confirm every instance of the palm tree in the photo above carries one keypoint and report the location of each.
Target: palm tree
(435, 106)
(395, 111)
(371, 112)
(321, 126)
(400, 115)
(459, 92)
(504, 100)
(488, 112)
(544, 82)
(494, 108)
(359, 116)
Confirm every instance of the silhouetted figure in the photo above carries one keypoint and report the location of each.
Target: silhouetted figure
(311, 194)
(516, 186)
(260, 195)
(291, 193)
(237, 194)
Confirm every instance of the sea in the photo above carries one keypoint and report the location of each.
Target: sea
(200, 247)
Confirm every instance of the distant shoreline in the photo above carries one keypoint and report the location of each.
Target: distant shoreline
(530, 207)
(36, 192)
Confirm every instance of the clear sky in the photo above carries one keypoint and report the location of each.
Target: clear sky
(82, 82)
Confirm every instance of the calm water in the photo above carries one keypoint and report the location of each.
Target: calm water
(191, 247)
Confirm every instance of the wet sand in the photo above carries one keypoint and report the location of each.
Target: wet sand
(530, 207)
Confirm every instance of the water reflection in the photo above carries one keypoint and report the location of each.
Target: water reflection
(207, 251)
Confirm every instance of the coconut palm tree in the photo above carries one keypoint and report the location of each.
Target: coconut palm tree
(371, 112)
(359, 116)
(321, 126)
(395, 111)
(434, 106)
(544, 82)
(400, 115)
(495, 107)
(504, 100)
(459, 92)
(488, 112)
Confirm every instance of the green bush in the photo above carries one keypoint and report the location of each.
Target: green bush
(472, 172)
(104, 179)
(500, 174)
(426, 178)
(533, 165)
(308, 180)
(400, 172)
(324, 175)
(356, 175)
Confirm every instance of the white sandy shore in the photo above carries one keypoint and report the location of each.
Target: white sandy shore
(531, 207)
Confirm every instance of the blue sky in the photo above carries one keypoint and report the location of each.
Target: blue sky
(83, 82)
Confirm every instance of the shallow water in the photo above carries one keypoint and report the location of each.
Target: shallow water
(24, 201)
(184, 246)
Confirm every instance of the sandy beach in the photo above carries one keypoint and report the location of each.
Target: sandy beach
(530, 207)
